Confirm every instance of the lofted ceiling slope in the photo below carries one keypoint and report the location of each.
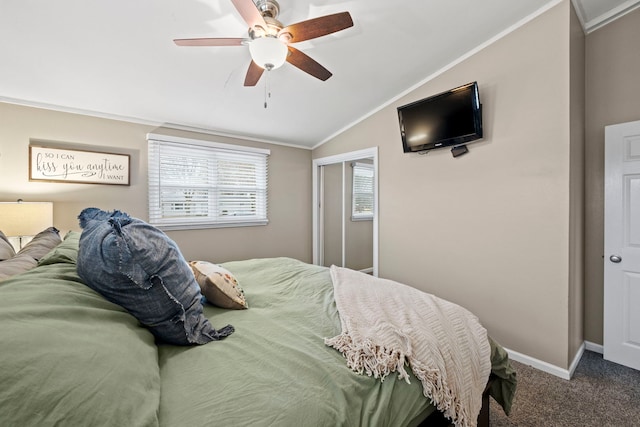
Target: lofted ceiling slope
(117, 59)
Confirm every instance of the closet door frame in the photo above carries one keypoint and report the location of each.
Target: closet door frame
(318, 189)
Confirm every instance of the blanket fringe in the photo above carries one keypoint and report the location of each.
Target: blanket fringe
(389, 327)
(440, 394)
(376, 361)
(369, 358)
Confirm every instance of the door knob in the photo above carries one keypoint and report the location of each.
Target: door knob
(615, 258)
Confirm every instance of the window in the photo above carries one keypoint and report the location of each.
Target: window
(362, 194)
(197, 184)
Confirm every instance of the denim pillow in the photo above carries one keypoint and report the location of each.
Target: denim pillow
(135, 265)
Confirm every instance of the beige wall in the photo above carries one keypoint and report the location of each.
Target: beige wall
(489, 230)
(287, 234)
(613, 96)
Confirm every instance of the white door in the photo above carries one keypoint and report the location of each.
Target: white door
(622, 244)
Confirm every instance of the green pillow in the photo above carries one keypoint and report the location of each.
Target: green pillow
(66, 252)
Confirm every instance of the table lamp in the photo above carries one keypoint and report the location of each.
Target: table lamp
(22, 220)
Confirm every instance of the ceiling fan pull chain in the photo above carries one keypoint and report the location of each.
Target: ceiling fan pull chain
(267, 89)
(265, 92)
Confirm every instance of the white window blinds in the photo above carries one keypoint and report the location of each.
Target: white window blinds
(362, 191)
(193, 184)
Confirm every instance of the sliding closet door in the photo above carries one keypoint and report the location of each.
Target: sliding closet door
(358, 214)
(332, 208)
(340, 237)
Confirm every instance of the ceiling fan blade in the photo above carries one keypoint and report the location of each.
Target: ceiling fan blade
(249, 13)
(253, 74)
(317, 27)
(210, 42)
(307, 64)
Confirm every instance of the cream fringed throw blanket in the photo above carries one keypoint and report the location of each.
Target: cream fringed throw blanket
(386, 325)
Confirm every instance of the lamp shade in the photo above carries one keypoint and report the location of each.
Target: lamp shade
(25, 218)
(268, 52)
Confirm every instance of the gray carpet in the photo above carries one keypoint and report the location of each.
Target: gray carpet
(600, 394)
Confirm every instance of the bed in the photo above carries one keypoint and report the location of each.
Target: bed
(72, 358)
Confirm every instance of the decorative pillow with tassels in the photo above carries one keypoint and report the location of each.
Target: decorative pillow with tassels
(219, 286)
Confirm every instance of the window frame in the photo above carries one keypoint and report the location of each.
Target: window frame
(357, 216)
(211, 150)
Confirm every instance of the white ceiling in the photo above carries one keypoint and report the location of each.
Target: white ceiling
(596, 13)
(117, 59)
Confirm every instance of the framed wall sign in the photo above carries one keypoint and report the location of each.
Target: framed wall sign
(77, 166)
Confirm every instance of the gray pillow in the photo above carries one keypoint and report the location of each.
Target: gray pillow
(135, 265)
(16, 265)
(42, 243)
(28, 257)
(6, 249)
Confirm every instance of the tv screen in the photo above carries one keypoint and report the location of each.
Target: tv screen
(450, 118)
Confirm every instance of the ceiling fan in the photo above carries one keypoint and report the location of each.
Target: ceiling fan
(270, 41)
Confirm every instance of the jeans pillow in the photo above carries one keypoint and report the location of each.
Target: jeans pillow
(136, 266)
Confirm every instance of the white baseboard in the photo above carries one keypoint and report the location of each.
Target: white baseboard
(596, 348)
(576, 360)
(548, 367)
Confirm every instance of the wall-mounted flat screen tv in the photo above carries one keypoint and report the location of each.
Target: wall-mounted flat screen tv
(448, 119)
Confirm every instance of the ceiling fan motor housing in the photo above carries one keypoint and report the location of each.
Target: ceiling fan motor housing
(268, 8)
(273, 28)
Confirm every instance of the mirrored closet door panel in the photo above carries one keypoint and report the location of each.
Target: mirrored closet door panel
(358, 214)
(332, 215)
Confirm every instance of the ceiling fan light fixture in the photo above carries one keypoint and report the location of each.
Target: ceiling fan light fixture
(268, 52)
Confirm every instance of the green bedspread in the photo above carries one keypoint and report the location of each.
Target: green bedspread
(275, 370)
(70, 358)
